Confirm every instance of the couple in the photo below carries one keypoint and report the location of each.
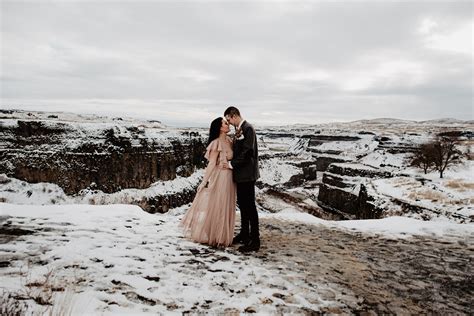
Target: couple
(232, 170)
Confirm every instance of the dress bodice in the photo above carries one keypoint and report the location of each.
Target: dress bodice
(227, 153)
(224, 147)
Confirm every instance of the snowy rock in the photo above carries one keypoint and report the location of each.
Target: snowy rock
(77, 152)
(343, 190)
(323, 161)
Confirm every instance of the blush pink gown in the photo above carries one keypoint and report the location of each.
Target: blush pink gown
(211, 218)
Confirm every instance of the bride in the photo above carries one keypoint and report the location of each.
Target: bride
(211, 218)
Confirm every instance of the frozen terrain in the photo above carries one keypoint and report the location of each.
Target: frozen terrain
(91, 252)
(119, 259)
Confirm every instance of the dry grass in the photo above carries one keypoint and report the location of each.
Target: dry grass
(438, 197)
(63, 304)
(10, 305)
(53, 296)
(39, 290)
(427, 194)
(459, 185)
(404, 182)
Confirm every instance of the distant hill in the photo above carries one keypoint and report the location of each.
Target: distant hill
(447, 121)
(383, 120)
(74, 117)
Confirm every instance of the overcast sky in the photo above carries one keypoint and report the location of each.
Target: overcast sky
(184, 62)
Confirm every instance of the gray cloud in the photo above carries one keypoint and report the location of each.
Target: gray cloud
(280, 62)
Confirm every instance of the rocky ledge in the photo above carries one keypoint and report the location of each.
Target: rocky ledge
(77, 152)
(344, 188)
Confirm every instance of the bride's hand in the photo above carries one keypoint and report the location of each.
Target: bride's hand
(200, 187)
(203, 185)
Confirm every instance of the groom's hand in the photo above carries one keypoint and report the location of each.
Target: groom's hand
(225, 165)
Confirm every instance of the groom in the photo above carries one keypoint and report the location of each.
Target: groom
(244, 167)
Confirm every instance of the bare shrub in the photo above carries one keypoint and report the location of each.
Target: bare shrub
(40, 291)
(54, 294)
(10, 305)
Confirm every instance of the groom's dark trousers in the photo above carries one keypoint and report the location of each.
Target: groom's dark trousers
(248, 210)
(245, 173)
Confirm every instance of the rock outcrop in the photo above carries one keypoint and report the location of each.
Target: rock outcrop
(344, 189)
(323, 161)
(400, 146)
(164, 202)
(321, 139)
(97, 155)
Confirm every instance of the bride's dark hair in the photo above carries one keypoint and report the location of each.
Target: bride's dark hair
(215, 130)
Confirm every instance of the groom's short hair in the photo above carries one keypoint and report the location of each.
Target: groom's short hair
(232, 111)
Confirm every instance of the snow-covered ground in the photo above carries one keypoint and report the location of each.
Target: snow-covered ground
(380, 158)
(118, 259)
(447, 197)
(136, 260)
(394, 226)
(350, 148)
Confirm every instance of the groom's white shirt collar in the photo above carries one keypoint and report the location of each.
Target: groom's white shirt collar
(240, 125)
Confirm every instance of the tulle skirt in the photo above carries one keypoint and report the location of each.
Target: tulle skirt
(211, 218)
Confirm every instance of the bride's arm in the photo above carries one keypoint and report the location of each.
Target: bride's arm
(210, 167)
(225, 164)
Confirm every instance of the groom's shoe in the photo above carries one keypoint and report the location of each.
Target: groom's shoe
(253, 245)
(240, 239)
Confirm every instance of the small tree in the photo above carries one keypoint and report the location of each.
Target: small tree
(445, 153)
(437, 154)
(423, 157)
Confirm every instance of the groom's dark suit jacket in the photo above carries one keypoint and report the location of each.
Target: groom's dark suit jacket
(245, 160)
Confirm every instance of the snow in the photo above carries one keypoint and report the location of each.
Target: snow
(116, 258)
(275, 171)
(277, 144)
(395, 226)
(451, 195)
(91, 129)
(356, 166)
(379, 157)
(350, 148)
(121, 253)
(74, 118)
(21, 192)
(116, 246)
(398, 226)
